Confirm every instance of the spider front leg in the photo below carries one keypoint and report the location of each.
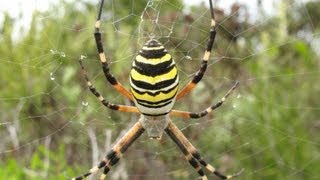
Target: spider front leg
(192, 154)
(198, 76)
(116, 152)
(112, 80)
(106, 103)
(186, 114)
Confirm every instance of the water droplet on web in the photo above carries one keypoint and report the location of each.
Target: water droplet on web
(62, 54)
(234, 106)
(189, 58)
(82, 57)
(84, 103)
(51, 77)
(53, 51)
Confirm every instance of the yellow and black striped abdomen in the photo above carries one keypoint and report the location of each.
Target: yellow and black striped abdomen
(154, 79)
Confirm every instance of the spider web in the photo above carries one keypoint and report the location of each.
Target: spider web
(52, 126)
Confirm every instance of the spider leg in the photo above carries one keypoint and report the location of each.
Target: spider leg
(198, 76)
(116, 152)
(112, 80)
(192, 153)
(94, 91)
(193, 162)
(195, 115)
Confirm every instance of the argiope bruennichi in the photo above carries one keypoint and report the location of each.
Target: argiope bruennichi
(154, 84)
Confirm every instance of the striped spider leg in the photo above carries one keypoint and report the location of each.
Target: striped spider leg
(112, 80)
(116, 152)
(106, 103)
(192, 154)
(195, 115)
(198, 76)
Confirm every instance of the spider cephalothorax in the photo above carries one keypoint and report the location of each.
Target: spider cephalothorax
(154, 90)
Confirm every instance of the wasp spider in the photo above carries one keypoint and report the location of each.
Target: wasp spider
(154, 90)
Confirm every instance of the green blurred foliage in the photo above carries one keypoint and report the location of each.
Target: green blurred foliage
(269, 126)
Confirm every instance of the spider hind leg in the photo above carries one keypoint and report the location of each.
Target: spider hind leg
(116, 152)
(192, 154)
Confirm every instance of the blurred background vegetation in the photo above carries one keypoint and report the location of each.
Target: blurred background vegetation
(51, 127)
